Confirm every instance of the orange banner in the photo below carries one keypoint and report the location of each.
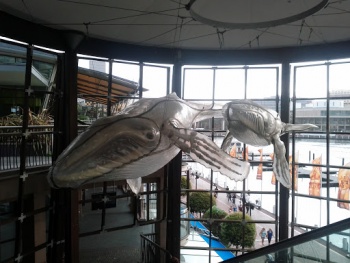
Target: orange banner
(344, 185)
(233, 152)
(260, 166)
(315, 178)
(296, 167)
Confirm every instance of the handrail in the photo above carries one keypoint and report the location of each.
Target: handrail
(152, 252)
(296, 240)
(39, 146)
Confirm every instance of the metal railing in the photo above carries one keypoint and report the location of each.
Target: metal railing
(151, 252)
(38, 150)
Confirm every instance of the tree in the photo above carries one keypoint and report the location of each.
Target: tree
(216, 213)
(184, 184)
(200, 201)
(239, 233)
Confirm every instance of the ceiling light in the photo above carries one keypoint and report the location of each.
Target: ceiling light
(251, 14)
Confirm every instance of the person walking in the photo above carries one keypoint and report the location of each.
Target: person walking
(228, 194)
(233, 198)
(262, 235)
(269, 235)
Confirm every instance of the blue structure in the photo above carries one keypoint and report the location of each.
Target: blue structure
(215, 241)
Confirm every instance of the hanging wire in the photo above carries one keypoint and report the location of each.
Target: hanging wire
(87, 28)
(300, 31)
(178, 27)
(27, 10)
(310, 33)
(221, 37)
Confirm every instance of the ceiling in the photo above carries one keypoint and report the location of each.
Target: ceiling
(194, 24)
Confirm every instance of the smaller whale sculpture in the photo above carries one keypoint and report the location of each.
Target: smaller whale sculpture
(140, 140)
(252, 124)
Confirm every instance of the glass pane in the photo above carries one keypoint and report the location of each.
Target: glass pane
(311, 82)
(310, 149)
(126, 71)
(229, 84)
(339, 210)
(94, 65)
(43, 66)
(312, 111)
(340, 240)
(339, 153)
(339, 79)
(339, 116)
(334, 245)
(198, 83)
(261, 83)
(7, 230)
(340, 190)
(12, 75)
(119, 208)
(155, 82)
(319, 210)
(91, 108)
(90, 215)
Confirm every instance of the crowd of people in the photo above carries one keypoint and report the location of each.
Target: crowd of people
(244, 202)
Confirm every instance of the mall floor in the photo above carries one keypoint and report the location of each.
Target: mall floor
(124, 245)
(120, 246)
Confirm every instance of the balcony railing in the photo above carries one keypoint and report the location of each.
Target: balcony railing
(38, 149)
(151, 252)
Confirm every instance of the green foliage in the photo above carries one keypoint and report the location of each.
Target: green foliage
(217, 213)
(233, 232)
(200, 201)
(184, 184)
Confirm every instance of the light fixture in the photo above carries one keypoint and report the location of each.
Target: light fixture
(251, 14)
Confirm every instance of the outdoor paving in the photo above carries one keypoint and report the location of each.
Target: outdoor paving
(223, 203)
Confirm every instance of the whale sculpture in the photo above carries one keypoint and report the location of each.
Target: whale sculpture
(252, 124)
(138, 141)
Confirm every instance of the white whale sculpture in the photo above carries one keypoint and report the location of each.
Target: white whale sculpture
(252, 124)
(140, 140)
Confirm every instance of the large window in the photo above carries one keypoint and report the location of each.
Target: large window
(105, 88)
(27, 106)
(320, 95)
(212, 197)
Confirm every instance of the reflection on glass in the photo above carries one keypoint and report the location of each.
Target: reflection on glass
(89, 110)
(7, 230)
(90, 212)
(119, 208)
